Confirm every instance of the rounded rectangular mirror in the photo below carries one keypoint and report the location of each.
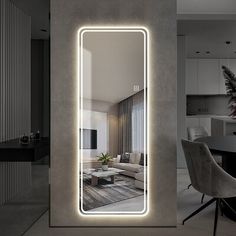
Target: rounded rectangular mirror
(112, 145)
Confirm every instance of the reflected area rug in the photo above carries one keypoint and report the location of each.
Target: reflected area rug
(107, 192)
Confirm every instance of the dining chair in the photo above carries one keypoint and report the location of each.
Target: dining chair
(200, 132)
(208, 177)
(196, 132)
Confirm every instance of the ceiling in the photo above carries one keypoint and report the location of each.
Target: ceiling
(209, 36)
(206, 6)
(39, 12)
(113, 63)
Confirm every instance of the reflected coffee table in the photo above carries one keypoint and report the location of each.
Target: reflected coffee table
(98, 174)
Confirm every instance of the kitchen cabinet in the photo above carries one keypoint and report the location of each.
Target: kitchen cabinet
(191, 81)
(192, 122)
(208, 76)
(199, 121)
(223, 126)
(205, 76)
(206, 123)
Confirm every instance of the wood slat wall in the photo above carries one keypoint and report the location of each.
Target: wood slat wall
(15, 37)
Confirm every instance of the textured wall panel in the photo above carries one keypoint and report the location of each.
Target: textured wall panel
(15, 36)
(159, 16)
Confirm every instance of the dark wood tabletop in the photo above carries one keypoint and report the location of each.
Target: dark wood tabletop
(14, 151)
(222, 144)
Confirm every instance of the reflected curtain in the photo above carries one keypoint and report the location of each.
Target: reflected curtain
(138, 122)
(125, 125)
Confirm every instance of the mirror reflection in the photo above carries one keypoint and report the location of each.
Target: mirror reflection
(113, 112)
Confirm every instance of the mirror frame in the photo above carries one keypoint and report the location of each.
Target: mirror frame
(147, 194)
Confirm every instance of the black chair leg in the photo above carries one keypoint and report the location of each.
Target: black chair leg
(189, 186)
(199, 209)
(221, 208)
(203, 195)
(216, 217)
(227, 204)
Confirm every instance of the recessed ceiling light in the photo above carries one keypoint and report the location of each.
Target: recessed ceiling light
(228, 42)
(43, 30)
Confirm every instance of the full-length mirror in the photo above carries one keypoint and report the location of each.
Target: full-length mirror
(113, 160)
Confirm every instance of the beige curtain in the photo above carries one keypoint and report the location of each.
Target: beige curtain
(125, 126)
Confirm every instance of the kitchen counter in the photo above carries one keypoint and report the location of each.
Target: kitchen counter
(207, 116)
(223, 126)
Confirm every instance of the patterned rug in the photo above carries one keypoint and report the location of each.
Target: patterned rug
(107, 192)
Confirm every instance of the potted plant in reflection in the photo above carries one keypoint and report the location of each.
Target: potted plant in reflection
(104, 158)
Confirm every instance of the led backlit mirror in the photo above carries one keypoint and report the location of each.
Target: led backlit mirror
(112, 151)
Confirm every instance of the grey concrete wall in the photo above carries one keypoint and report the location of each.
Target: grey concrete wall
(159, 16)
(181, 101)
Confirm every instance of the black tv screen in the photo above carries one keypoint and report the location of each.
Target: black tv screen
(89, 139)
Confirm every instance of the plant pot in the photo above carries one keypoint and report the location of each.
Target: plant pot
(104, 167)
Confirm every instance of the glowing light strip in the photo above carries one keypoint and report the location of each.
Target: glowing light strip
(81, 32)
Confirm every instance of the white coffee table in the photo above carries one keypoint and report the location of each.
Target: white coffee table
(96, 175)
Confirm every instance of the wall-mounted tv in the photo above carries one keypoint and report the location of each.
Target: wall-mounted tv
(89, 139)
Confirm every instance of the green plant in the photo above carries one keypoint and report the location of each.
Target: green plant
(104, 158)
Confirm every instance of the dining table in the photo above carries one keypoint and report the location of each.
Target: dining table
(226, 147)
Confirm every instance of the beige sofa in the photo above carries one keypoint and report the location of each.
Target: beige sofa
(131, 168)
(139, 180)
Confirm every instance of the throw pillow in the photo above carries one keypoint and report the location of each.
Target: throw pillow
(125, 158)
(132, 158)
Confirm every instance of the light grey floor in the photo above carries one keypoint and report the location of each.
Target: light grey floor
(21, 212)
(188, 200)
(133, 204)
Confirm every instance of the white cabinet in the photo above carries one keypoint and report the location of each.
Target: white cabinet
(199, 121)
(191, 82)
(205, 76)
(208, 76)
(206, 123)
(192, 122)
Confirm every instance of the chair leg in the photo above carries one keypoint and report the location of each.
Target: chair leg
(199, 209)
(221, 208)
(203, 195)
(189, 186)
(227, 204)
(216, 217)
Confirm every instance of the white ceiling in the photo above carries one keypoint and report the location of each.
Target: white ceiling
(210, 36)
(113, 64)
(206, 6)
(39, 12)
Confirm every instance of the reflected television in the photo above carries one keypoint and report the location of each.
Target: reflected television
(89, 139)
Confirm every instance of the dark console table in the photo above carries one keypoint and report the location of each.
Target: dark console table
(13, 151)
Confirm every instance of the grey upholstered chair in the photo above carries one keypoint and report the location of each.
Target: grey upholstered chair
(196, 132)
(199, 132)
(208, 177)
